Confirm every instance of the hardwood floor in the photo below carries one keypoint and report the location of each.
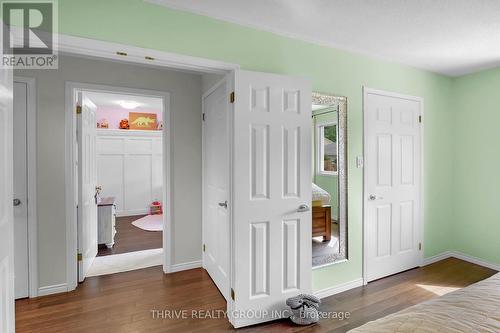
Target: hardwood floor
(124, 302)
(129, 238)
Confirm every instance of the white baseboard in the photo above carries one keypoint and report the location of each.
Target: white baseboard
(185, 266)
(54, 289)
(132, 212)
(339, 288)
(438, 257)
(461, 256)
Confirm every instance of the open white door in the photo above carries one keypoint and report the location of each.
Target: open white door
(215, 188)
(392, 183)
(271, 236)
(7, 321)
(87, 186)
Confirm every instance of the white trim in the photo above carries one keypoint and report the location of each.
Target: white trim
(339, 288)
(71, 178)
(461, 256)
(54, 289)
(366, 91)
(438, 257)
(108, 50)
(185, 266)
(31, 143)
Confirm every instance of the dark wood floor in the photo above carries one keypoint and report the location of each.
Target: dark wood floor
(123, 302)
(129, 238)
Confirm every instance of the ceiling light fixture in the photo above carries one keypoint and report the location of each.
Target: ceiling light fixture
(129, 105)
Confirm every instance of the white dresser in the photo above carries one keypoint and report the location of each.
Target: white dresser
(106, 217)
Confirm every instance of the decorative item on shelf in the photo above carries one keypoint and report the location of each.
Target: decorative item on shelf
(142, 121)
(160, 125)
(103, 123)
(124, 124)
(156, 208)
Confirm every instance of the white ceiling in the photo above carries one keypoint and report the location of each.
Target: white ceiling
(452, 37)
(103, 99)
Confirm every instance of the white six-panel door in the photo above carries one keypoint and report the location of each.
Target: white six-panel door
(215, 187)
(7, 321)
(392, 183)
(87, 183)
(271, 180)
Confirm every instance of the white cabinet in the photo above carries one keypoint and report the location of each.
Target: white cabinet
(106, 217)
(129, 168)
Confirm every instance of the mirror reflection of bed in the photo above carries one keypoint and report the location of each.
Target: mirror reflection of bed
(329, 222)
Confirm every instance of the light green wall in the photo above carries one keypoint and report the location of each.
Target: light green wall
(332, 71)
(476, 221)
(328, 183)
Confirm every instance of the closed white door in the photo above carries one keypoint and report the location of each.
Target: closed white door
(215, 182)
(87, 187)
(272, 194)
(7, 321)
(20, 191)
(392, 183)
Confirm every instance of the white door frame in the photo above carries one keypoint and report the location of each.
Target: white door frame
(366, 91)
(31, 142)
(228, 80)
(72, 197)
(127, 54)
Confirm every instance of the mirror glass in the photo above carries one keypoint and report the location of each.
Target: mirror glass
(329, 206)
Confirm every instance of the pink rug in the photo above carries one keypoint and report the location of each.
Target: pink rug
(150, 223)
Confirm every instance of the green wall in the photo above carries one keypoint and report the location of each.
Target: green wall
(476, 221)
(331, 71)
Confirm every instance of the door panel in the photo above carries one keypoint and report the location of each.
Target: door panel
(271, 179)
(7, 321)
(215, 186)
(20, 191)
(392, 168)
(87, 183)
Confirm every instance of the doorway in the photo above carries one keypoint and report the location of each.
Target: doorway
(120, 183)
(393, 228)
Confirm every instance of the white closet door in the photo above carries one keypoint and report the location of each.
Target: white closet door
(392, 183)
(272, 193)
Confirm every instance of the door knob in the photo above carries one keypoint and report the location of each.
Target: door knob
(372, 197)
(16, 202)
(223, 204)
(303, 208)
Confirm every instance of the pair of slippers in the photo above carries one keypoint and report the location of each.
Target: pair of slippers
(304, 309)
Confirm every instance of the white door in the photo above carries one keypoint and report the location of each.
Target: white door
(215, 182)
(87, 186)
(272, 194)
(20, 191)
(392, 183)
(6, 215)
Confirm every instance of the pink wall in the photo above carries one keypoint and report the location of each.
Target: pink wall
(114, 115)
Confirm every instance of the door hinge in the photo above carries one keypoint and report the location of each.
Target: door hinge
(203, 247)
(420, 246)
(79, 257)
(78, 109)
(203, 117)
(231, 97)
(420, 119)
(233, 295)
